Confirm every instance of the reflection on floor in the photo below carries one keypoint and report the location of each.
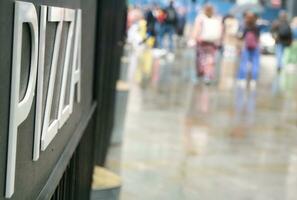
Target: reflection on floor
(185, 141)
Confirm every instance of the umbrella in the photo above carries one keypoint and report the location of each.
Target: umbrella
(240, 9)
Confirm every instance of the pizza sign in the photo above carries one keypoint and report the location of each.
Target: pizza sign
(45, 128)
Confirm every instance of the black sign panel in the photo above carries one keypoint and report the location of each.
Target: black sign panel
(32, 174)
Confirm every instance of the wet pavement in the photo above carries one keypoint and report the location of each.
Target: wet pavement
(187, 141)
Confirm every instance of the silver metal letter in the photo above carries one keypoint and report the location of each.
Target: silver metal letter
(76, 68)
(64, 111)
(39, 95)
(49, 130)
(19, 110)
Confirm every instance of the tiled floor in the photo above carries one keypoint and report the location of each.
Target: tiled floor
(185, 141)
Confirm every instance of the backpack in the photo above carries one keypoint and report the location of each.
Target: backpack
(284, 30)
(211, 29)
(170, 15)
(251, 40)
(285, 34)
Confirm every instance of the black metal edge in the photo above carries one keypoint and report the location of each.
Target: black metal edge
(109, 42)
(65, 157)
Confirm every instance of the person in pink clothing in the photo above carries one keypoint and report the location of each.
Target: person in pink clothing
(207, 33)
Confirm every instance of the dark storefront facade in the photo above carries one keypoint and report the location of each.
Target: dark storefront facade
(59, 62)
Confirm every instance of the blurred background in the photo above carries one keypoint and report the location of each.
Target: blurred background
(206, 103)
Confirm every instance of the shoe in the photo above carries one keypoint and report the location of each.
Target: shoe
(207, 81)
(241, 83)
(253, 85)
(170, 57)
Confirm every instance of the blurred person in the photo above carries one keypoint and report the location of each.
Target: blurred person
(168, 26)
(230, 31)
(150, 24)
(137, 29)
(290, 57)
(250, 53)
(207, 32)
(181, 22)
(287, 78)
(282, 33)
(134, 15)
(160, 16)
(230, 45)
(150, 21)
(135, 37)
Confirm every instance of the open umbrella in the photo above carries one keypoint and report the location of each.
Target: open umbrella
(238, 10)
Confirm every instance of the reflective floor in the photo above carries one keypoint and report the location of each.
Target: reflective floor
(187, 141)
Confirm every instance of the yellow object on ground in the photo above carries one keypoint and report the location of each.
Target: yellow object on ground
(144, 68)
(105, 179)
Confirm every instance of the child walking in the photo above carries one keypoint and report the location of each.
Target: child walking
(250, 54)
